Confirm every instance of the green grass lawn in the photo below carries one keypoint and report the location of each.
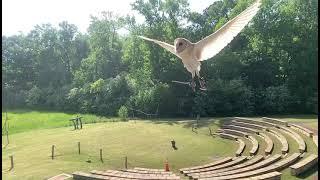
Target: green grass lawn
(26, 120)
(145, 143)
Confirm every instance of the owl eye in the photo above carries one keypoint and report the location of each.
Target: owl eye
(180, 44)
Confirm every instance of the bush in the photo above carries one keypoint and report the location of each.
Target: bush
(226, 98)
(34, 97)
(277, 99)
(123, 113)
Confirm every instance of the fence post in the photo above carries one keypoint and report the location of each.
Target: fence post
(101, 155)
(80, 122)
(126, 162)
(52, 152)
(79, 147)
(11, 159)
(198, 118)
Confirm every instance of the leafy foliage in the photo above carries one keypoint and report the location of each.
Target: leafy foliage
(123, 113)
(269, 68)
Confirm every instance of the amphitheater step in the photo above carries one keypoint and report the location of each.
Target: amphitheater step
(304, 164)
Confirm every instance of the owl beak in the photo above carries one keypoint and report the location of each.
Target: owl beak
(177, 49)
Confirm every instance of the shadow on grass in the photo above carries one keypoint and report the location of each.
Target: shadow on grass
(309, 172)
(40, 110)
(294, 116)
(192, 123)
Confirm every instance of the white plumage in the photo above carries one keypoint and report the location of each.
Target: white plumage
(192, 54)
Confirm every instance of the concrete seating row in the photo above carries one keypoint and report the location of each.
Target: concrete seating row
(248, 125)
(302, 144)
(125, 174)
(87, 176)
(273, 167)
(282, 139)
(240, 128)
(129, 175)
(301, 129)
(215, 163)
(304, 165)
(282, 125)
(250, 168)
(234, 132)
(149, 169)
(265, 169)
(269, 143)
(286, 162)
(250, 162)
(145, 171)
(255, 145)
(315, 140)
(275, 121)
(241, 147)
(261, 125)
(252, 121)
(236, 161)
(227, 136)
(275, 175)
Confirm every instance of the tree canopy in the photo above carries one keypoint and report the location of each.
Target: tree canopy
(269, 68)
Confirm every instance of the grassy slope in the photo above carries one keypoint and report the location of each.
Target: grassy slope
(145, 143)
(26, 120)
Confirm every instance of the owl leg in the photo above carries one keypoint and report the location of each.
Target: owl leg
(193, 83)
(201, 81)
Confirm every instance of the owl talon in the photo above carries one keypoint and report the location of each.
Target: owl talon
(193, 85)
(202, 84)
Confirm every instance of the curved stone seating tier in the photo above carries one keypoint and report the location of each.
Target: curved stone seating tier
(145, 171)
(248, 125)
(251, 121)
(304, 164)
(235, 132)
(252, 161)
(275, 121)
(240, 128)
(282, 139)
(239, 167)
(301, 129)
(315, 140)
(296, 137)
(274, 167)
(269, 143)
(236, 161)
(87, 176)
(127, 175)
(218, 162)
(255, 145)
(275, 175)
(227, 136)
(149, 169)
(286, 162)
(241, 147)
(259, 165)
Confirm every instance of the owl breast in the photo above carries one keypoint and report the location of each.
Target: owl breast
(189, 61)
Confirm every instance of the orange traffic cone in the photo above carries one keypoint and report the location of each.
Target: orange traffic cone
(167, 166)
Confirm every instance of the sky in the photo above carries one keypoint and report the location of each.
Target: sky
(23, 15)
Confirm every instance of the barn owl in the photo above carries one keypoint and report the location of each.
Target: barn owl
(192, 54)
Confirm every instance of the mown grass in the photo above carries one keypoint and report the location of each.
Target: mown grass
(26, 120)
(146, 143)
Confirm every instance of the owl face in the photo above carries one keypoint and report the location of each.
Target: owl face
(181, 44)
